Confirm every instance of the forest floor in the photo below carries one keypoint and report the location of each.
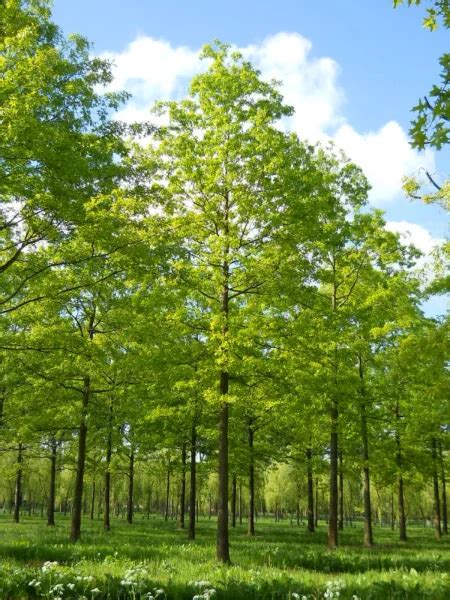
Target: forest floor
(153, 559)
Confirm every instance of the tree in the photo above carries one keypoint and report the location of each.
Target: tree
(58, 147)
(225, 173)
(430, 127)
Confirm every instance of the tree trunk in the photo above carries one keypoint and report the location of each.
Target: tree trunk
(223, 549)
(316, 515)
(233, 500)
(130, 501)
(241, 509)
(107, 515)
(310, 490)
(392, 513)
(183, 485)
(444, 492)
(166, 508)
(251, 483)
(75, 530)
(193, 483)
(341, 494)
(436, 503)
(93, 501)
(223, 546)
(52, 488)
(401, 493)
(18, 486)
(333, 507)
(368, 535)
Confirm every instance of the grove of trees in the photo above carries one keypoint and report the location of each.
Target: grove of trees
(204, 316)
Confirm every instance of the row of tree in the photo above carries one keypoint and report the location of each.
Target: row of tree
(218, 292)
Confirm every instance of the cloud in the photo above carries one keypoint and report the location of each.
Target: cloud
(415, 235)
(153, 69)
(412, 234)
(308, 84)
(385, 157)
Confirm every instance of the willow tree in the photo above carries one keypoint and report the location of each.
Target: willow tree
(226, 173)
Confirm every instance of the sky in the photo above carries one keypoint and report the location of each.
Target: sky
(352, 69)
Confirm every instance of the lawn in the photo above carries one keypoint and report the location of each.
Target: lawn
(153, 559)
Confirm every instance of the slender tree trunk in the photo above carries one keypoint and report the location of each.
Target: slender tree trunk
(316, 515)
(401, 493)
(166, 506)
(223, 546)
(436, 503)
(107, 515)
(18, 486)
(233, 500)
(193, 483)
(333, 508)
(183, 485)
(251, 483)
(334, 441)
(310, 490)
(368, 535)
(75, 530)
(52, 488)
(444, 491)
(130, 501)
(341, 494)
(392, 513)
(223, 551)
(241, 508)
(93, 501)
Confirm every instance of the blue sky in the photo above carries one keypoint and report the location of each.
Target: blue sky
(352, 69)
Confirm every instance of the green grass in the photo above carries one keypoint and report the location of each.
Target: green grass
(283, 560)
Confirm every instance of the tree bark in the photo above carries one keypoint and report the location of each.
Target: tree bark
(75, 530)
(92, 501)
(436, 503)
(316, 515)
(107, 515)
(341, 494)
(334, 441)
(368, 534)
(251, 483)
(130, 499)
(333, 507)
(401, 494)
(223, 546)
(241, 507)
(444, 491)
(166, 507)
(18, 486)
(193, 484)
(233, 500)
(223, 549)
(183, 485)
(52, 488)
(311, 527)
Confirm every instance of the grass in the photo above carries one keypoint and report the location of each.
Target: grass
(283, 560)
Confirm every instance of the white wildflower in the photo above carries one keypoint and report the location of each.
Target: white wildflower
(49, 566)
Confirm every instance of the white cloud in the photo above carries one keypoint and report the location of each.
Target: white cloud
(385, 157)
(153, 69)
(308, 84)
(412, 234)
